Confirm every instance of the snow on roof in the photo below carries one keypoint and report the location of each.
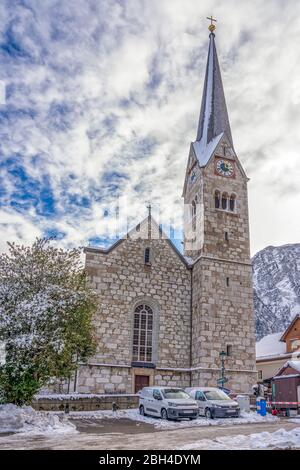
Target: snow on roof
(204, 151)
(270, 345)
(293, 364)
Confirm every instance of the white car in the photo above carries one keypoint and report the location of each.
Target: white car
(168, 403)
(214, 403)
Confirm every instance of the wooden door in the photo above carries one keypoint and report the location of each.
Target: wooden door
(140, 381)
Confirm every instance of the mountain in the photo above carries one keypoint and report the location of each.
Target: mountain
(276, 279)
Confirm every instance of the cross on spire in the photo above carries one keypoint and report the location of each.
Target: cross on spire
(213, 120)
(211, 27)
(149, 207)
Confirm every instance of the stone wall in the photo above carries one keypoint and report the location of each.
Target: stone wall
(223, 315)
(218, 221)
(211, 223)
(220, 288)
(103, 379)
(238, 381)
(122, 281)
(172, 378)
(73, 403)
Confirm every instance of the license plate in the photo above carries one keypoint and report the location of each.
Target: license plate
(187, 412)
(231, 411)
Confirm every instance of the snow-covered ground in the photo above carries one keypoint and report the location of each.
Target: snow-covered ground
(26, 420)
(280, 439)
(134, 415)
(296, 420)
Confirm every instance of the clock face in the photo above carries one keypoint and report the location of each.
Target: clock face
(224, 168)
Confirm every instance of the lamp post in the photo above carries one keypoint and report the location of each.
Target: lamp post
(223, 379)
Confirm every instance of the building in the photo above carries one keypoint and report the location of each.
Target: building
(273, 351)
(165, 317)
(286, 385)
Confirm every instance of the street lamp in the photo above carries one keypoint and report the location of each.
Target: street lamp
(222, 379)
(223, 355)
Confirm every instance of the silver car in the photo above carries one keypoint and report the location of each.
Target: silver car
(167, 402)
(214, 403)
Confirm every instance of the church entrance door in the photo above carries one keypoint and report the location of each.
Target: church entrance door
(140, 381)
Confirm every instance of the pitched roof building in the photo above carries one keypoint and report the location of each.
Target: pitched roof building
(164, 318)
(274, 350)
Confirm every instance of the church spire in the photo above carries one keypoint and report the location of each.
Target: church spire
(213, 119)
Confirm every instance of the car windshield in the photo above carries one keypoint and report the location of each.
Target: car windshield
(216, 395)
(174, 393)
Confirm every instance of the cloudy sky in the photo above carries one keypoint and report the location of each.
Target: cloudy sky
(102, 102)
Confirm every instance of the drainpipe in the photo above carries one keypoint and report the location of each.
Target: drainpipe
(191, 331)
(76, 375)
(75, 380)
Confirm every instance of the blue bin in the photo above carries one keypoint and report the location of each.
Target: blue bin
(261, 406)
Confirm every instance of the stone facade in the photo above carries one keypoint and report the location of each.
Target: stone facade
(123, 281)
(197, 305)
(196, 315)
(222, 275)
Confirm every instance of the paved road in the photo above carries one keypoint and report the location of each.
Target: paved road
(126, 434)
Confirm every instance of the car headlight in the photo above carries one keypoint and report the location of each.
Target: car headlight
(170, 403)
(216, 406)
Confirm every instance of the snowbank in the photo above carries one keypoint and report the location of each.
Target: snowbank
(280, 439)
(26, 420)
(296, 420)
(134, 415)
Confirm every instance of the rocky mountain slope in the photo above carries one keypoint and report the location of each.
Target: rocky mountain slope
(276, 278)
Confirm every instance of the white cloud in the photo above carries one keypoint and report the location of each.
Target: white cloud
(130, 73)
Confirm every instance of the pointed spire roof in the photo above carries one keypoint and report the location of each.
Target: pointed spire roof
(213, 120)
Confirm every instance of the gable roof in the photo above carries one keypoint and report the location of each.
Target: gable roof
(132, 234)
(285, 333)
(292, 364)
(270, 346)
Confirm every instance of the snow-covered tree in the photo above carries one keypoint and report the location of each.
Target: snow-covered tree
(46, 308)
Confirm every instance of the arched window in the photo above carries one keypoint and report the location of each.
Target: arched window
(147, 256)
(194, 208)
(232, 202)
(217, 199)
(142, 334)
(194, 215)
(224, 201)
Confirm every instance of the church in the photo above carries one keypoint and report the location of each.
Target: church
(165, 317)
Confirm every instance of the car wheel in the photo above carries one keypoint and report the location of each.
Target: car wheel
(164, 414)
(208, 414)
(142, 410)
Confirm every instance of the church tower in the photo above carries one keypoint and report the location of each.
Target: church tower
(216, 240)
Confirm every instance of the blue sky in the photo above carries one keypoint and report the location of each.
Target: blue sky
(102, 101)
